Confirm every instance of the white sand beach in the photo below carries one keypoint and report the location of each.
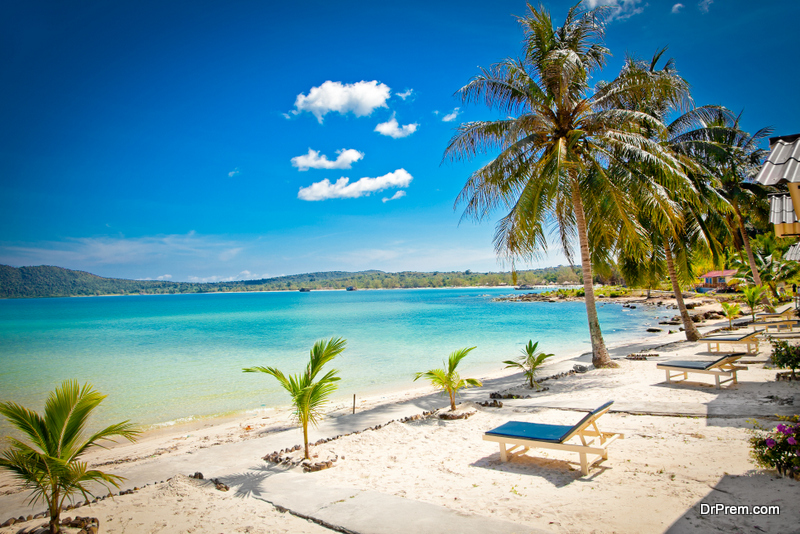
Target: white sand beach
(685, 444)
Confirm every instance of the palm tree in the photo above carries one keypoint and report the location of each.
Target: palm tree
(448, 379)
(529, 362)
(752, 297)
(308, 396)
(731, 311)
(770, 270)
(557, 150)
(50, 465)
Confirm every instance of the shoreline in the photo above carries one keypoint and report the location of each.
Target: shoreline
(252, 424)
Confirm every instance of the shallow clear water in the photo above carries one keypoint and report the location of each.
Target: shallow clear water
(163, 358)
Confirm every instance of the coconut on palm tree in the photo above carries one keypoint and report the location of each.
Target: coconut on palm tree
(530, 361)
(50, 464)
(309, 396)
(558, 149)
(447, 379)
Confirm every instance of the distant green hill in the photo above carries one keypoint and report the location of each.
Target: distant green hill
(49, 281)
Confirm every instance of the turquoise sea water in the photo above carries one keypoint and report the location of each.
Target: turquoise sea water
(164, 358)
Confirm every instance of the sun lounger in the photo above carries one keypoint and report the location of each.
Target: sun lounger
(750, 339)
(786, 313)
(543, 436)
(787, 324)
(719, 368)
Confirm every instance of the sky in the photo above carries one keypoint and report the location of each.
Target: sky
(224, 140)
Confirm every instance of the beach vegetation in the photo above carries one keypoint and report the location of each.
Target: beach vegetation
(447, 378)
(786, 356)
(753, 296)
(778, 448)
(565, 157)
(772, 270)
(529, 362)
(49, 463)
(731, 310)
(309, 394)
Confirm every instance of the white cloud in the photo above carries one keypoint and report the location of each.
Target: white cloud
(360, 98)
(393, 129)
(364, 187)
(677, 8)
(705, 5)
(620, 9)
(451, 116)
(406, 94)
(233, 173)
(164, 277)
(344, 160)
(244, 275)
(399, 194)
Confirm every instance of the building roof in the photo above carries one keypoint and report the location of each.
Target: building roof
(781, 210)
(715, 274)
(783, 163)
(793, 253)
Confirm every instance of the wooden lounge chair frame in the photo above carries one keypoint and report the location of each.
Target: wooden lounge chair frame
(786, 314)
(789, 324)
(724, 367)
(750, 339)
(592, 440)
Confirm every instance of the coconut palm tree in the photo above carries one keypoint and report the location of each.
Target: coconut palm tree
(447, 379)
(530, 361)
(753, 296)
(308, 396)
(769, 269)
(50, 466)
(557, 148)
(731, 311)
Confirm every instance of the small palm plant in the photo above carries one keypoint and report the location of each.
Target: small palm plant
(50, 465)
(308, 396)
(448, 379)
(731, 310)
(752, 297)
(529, 362)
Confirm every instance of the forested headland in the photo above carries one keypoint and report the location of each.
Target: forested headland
(48, 281)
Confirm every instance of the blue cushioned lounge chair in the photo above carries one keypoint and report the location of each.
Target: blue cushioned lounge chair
(543, 436)
(725, 366)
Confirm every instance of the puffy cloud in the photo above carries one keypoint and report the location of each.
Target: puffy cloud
(393, 129)
(364, 187)
(344, 160)
(620, 9)
(406, 94)
(359, 98)
(451, 116)
(164, 277)
(233, 173)
(705, 5)
(399, 194)
(677, 8)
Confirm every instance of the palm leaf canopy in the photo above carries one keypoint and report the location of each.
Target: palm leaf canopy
(559, 140)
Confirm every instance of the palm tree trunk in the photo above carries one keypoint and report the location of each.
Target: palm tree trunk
(305, 438)
(452, 400)
(688, 325)
(600, 356)
(751, 259)
(55, 512)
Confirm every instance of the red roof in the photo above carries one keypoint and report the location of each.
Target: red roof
(715, 274)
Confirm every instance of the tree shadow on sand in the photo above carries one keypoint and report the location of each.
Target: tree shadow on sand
(755, 488)
(250, 483)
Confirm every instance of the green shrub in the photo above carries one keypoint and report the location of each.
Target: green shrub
(786, 356)
(778, 449)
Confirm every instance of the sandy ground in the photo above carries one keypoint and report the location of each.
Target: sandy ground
(654, 480)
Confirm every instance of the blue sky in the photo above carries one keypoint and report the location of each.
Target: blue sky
(192, 141)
